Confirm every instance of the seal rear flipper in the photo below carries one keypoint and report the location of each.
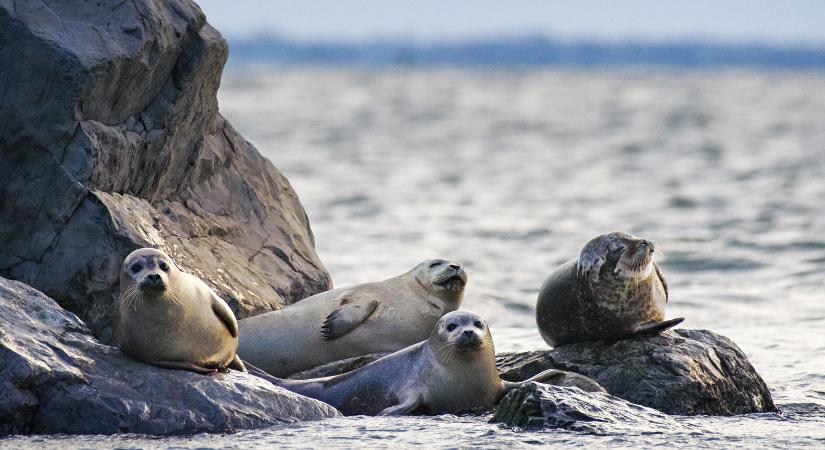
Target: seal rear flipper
(405, 407)
(540, 377)
(221, 309)
(183, 365)
(351, 311)
(237, 364)
(650, 328)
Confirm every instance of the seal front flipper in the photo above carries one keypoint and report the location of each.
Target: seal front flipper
(405, 407)
(351, 311)
(221, 309)
(647, 329)
(662, 280)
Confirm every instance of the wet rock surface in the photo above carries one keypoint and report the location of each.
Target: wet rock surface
(55, 377)
(536, 406)
(685, 372)
(110, 140)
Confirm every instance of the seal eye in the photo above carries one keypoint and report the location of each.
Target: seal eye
(478, 324)
(136, 268)
(163, 266)
(451, 327)
(434, 265)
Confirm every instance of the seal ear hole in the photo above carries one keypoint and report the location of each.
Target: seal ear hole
(136, 267)
(451, 327)
(163, 266)
(478, 324)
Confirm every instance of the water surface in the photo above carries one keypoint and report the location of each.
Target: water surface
(510, 173)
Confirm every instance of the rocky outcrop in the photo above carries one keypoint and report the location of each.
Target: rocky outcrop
(56, 378)
(110, 140)
(686, 372)
(536, 406)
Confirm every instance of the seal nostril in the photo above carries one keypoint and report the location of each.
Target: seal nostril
(468, 333)
(153, 277)
(455, 266)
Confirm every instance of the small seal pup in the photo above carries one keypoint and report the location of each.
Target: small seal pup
(342, 323)
(613, 290)
(453, 371)
(172, 319)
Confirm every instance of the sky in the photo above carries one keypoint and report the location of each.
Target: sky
(775, 22)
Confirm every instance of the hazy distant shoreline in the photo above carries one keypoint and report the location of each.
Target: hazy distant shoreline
(524, 52)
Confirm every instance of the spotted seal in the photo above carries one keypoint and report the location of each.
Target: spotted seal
(613, 290)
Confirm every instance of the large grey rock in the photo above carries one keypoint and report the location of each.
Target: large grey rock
(56, 378)
(536, 406)
(686, 372)
(110, 140)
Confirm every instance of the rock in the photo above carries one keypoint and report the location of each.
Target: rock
(111, 140)
(535, 406)
(56, 378)
(685, 372)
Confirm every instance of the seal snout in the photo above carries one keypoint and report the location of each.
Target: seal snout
(153, 282)
(469, 339)
(452, 277)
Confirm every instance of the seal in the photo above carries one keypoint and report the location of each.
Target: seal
(453, 371)
(342, 323)
(612, 291)
(172, 319)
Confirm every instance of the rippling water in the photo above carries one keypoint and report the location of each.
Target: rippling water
(511, 173)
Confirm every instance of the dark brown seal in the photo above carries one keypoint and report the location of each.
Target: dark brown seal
(612, 291)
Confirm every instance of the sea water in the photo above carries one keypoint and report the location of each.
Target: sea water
(511, 172)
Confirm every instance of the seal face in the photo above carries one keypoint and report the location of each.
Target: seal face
(612, 291)
(172, 319)
(453, 371)
(342, 323)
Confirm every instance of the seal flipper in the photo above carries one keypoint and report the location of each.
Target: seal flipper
(237, 364)
(662, 280)
(221, 309)
(405, 407)
(647, 329)
(539, 378)
(183, 365)
(351, 311)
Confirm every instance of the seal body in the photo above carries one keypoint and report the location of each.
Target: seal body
(172, 319)
(612, 291)
(347, 322)
(453, 371)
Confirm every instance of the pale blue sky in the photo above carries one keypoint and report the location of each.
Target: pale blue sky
(780, 21)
